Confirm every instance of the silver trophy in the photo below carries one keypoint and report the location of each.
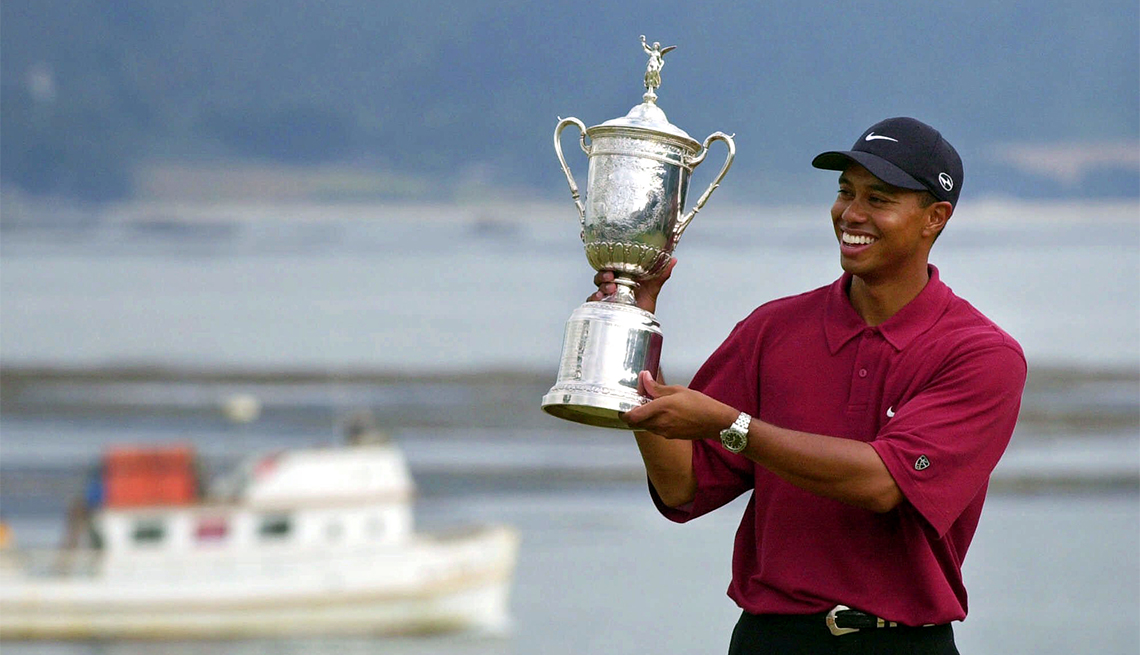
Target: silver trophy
(639, 172)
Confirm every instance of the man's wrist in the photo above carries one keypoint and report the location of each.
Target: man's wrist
(734, 438)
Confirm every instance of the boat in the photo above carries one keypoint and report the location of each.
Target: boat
(311, 541)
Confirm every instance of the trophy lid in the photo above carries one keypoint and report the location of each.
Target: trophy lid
(647, 115)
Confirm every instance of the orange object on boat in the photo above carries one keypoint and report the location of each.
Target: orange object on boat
(149, 475)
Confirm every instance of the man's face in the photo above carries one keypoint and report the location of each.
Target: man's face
(884, 231)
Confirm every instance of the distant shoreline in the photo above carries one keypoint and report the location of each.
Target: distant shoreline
(1057, 399)
(1050, 375)
(1076, 432)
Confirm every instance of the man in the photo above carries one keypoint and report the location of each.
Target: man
(865, 417)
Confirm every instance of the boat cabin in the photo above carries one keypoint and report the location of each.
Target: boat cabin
(329, 498)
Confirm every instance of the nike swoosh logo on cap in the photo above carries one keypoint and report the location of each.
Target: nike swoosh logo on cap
(872, 136)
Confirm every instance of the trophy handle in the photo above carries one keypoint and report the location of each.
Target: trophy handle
(562, 123)
(715, 136)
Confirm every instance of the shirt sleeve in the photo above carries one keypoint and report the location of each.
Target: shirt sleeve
(944, 442)
(731, 376)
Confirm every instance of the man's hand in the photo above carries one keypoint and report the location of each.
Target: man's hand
(678, 412)
(646, 292)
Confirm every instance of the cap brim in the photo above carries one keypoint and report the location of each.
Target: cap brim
(879, 167)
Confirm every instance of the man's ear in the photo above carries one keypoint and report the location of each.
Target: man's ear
(937, 215)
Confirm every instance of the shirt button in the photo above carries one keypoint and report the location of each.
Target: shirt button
(862, 372)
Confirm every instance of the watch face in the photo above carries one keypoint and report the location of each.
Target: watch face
(733, 440)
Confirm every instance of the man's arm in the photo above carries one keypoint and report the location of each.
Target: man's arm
(842, 469)
(669, 464)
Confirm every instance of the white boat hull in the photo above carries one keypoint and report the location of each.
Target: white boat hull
(425, 585)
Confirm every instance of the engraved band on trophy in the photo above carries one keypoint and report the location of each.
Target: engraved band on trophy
(639, 170)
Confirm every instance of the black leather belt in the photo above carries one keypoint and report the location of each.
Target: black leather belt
(842, 620)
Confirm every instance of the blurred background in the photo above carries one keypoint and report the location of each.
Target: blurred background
(345, 205)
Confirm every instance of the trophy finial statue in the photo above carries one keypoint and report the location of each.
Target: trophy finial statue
(653, 68)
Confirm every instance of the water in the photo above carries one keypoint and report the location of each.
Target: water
(453, 317)
(601, 572)
(443, 288)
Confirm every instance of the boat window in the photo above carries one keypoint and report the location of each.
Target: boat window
(211, 528)
(275, 526)
(149, 531)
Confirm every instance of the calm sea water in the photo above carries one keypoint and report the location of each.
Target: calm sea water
(446, 288)
(600, 572)
(438, 289)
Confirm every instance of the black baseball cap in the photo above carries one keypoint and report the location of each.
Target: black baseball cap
(906, 153)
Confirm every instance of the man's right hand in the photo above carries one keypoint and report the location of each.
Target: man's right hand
(646, 292)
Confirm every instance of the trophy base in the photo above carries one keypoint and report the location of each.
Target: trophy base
(606, 347)
(598, 409)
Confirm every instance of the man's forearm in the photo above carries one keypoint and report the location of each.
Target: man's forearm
(669, 464)
(843, 469)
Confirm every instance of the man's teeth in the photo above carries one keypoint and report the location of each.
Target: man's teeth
(857, 239)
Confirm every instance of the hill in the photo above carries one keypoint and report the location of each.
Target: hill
(462, 97)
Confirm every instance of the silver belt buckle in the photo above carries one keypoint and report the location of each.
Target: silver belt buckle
(836, 630)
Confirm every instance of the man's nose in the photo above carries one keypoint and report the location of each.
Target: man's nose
(854, 212)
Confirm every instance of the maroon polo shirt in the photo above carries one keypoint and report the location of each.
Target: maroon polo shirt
(935, 390)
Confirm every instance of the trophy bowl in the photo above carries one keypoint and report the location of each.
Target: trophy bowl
(639, 171)
(633, 214)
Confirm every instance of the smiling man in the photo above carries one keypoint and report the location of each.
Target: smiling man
(864, 418)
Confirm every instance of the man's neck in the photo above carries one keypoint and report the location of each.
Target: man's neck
(878, 300)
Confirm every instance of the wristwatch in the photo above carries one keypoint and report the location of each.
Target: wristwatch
(734, 438)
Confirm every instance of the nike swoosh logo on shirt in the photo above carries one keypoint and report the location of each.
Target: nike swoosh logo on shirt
(872, 137)
(891, 411)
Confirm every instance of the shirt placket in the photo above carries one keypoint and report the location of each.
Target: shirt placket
(865, 371)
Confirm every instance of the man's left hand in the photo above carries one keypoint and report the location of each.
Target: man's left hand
(677, 412)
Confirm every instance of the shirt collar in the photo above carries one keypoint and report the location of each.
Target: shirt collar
(842, 323)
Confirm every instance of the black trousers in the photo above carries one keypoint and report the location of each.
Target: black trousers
(808, 635)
